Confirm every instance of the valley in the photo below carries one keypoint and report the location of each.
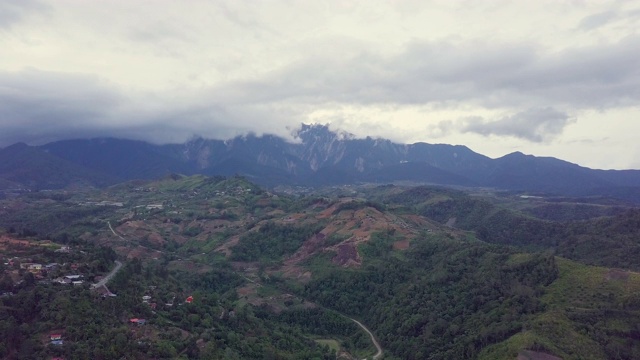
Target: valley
(221, 268)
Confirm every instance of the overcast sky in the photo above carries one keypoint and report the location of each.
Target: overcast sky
(549, 78)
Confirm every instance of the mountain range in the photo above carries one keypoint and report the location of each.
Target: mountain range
(317, 157)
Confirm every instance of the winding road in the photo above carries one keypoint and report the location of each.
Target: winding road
(373, 339)
(377, 355)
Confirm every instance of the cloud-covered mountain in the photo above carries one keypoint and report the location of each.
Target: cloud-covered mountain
(318, 157)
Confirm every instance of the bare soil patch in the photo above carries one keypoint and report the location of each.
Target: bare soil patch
(451, 222)
(190, 266)
(347, 255)
(7, 241)
(292, 218)
(401, 245)
(296, 272)
(246, 290)
(140, 230)
(226, 247)
(308, 248)
(616, 274)
(331, 209)
(535, 355)
(139, 252)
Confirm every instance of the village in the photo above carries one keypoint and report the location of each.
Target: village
(21, 269)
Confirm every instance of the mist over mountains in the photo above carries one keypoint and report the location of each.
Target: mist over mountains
(319, 157)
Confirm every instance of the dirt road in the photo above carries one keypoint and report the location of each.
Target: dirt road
(106, 279)
(373, 339)
(113, 231)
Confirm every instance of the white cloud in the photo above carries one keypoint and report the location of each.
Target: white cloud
(162, 71)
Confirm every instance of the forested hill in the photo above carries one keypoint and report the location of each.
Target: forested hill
(434, 273)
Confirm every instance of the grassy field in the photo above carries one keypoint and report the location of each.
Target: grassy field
(332, 344)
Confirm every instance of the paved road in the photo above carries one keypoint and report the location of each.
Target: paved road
(373, 339)
(106, 279)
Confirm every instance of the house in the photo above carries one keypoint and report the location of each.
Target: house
(35, 268)
(56, 339)
(64, 249)
(146, 298)
(32, 267)
(78, 282)
(138, 321)
(73, 277)
(63, 281)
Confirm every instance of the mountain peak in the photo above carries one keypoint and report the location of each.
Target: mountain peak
(313, 132)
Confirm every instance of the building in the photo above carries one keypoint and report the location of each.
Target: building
(32, 267)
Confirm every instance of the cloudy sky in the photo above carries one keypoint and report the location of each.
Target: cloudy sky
(545, 77)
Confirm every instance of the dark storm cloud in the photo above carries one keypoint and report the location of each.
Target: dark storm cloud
(537, 125)
(37, 107)
(13, 11)
(534, 124)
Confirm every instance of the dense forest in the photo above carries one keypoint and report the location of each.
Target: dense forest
(445, 300)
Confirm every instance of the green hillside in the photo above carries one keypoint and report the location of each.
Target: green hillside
(433, 273)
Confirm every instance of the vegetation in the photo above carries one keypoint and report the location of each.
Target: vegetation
(271, 242)
(434, 273)
(447, 300)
